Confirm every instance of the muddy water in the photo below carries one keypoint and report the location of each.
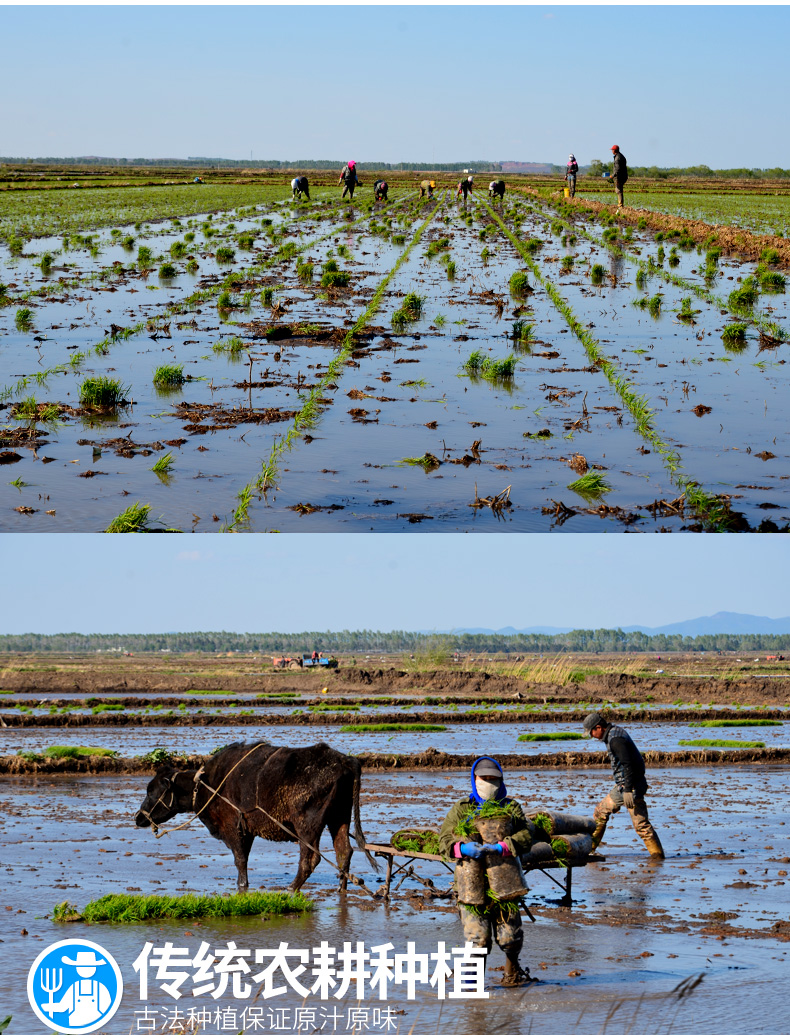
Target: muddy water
(455, 739)
(635, 931)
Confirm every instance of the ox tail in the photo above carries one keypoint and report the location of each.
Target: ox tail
(359, 835)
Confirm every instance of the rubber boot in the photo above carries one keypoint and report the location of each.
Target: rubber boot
(515, 974)
(597, 834)
(653, 846)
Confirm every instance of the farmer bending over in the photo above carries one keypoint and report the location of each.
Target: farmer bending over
(349, 178)
(496, 189)
(491, 921)
(381, 190)
(465, 186)
(630, 784)
(300, 186)
(426, 187)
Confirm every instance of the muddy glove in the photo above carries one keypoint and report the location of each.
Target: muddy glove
(471, 850)
(628, 799)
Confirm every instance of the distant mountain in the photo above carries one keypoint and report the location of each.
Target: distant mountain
(721, 622)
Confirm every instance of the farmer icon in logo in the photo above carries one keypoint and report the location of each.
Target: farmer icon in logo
(74, 985)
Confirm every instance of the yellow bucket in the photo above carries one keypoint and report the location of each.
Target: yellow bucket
(567, 192)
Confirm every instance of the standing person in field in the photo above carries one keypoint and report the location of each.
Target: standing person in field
(496, 189)
(630, 784)
(482, 926)
(426, 187)
(465, 186)
(619, 173)
(381, 190)
(300, 186)
(350, 179)
(571, 172)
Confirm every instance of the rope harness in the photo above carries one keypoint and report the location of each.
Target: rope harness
(215, 793)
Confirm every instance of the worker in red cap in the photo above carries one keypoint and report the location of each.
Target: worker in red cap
(619, 173)
(349, 178)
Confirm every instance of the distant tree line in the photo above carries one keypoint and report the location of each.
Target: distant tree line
(654, 172)
(267, 163)
(368, 641)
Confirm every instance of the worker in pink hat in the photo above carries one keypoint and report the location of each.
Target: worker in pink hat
(619, 173)
(350, 179)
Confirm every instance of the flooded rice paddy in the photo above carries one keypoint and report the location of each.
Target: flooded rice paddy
(401, 391)
(716, 907)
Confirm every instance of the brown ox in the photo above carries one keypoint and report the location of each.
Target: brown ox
(244, 788)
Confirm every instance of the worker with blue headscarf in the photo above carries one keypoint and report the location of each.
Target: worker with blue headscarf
(484, 924)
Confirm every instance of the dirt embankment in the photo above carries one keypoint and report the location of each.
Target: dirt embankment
(444, 683)
(17, 765)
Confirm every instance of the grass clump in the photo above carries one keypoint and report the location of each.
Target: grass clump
(144, 255)
(135, 909)
(427, 461)
(734, 335)
(437, 246)
(163, 464)
(335, 279)
(167, 271)
(597, 273)
(169, 375)
(233, 344)
(224, 254)
(133, 519)
(46, 262)
(73, 751)
(393, 727)
(519, 284)
(23, 319)
(305, 272)
(480, 365)
(653, 305)
(101, 392)
(591, 485)
(745, 296)
(559, 735)
(737, 722)
(703, 743)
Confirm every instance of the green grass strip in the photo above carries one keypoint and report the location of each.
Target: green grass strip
(135, 909)
(393, 727)
(738, 722)
(73, 751)
(308, 415)
(551, 736)
(710, 509)
(721, 743)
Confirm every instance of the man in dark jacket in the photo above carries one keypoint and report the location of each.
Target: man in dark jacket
(381, 190)
(619, 173)
(630, 783)
(349, 178)
(483, 925)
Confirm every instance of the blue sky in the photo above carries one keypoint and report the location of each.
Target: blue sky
(672, 85)
(87, 583)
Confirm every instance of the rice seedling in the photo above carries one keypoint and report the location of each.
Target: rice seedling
(167, 271)
(399, 238)
(133, 519)
(674, 258)
(522, 331)
(435, 247)
(15, 245)
(23, 319)
(134, 909)
(770, 280)
(770, 256)
(335, 278)
(745, 296)
(144, 255)
(597, 273)
(567, 264)
(102, 392)
(653, 305)
(46, 262)
(738, 722)
(532, 245)
(224, 254)
(686, 312)
(246, 241)
(305, 271)
(74, 751)
(393, 727)
(178, 249)
(439, 320)
(591, 485)
(712, 255)
(481, 365)
(557, 735)
(18, 484)
(412, 305)
(225, 300)
(427, 461)
(519, 284)
(164, 464)
(99, 708)
(192, 266)
(343, 252)
(703, 743)
(449, 268)
(486, 254)
(233, 344)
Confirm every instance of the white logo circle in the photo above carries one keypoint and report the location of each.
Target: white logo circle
(76, 981)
